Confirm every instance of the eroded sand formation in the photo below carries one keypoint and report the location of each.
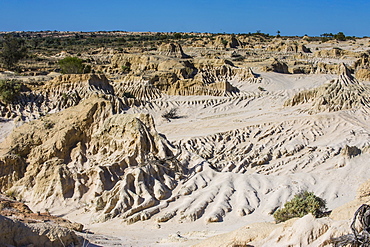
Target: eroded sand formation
(243, 141)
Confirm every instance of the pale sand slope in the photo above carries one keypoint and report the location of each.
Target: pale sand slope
(306, 231)
(259, 154)
(5, 128)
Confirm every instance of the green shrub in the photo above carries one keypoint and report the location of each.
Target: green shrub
(224, 42)
(9, 89)
(128, 95)
(125, 68)
(12, 52)
(177, 35)
(302, 204)
(73, 65)
(340, 36)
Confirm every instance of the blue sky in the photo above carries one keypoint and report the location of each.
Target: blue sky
(291, 17)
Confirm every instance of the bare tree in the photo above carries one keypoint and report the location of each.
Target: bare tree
(357, 239)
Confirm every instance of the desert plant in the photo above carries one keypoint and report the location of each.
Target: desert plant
(129, 95)
(340, 36)
(125, 68)
(13, 50)
(73, 65)
(171, 114)
(224, 42)
(177, 35)
(9, 89)
(302, 204)
(48, 124)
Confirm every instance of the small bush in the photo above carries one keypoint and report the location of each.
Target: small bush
(177, 35)
(9, 89)
(128, 95)
(48, 124)
(224, 42)
(73, 65)
(125, 69)
(171, 114)
(302, 204)
(12, 52)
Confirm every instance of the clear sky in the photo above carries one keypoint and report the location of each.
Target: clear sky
(291, 17)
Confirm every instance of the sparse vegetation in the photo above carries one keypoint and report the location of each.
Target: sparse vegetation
(48, 124)
(302, 204)
(12, 52)
(340, 36)
(224, 42)
(125, 68)
(73, 65)
(171, 114)
(9, 90)
(128, 95)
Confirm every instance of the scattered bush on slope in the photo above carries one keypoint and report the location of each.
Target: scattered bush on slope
(9, 89)
(302, 204)
(73, 65)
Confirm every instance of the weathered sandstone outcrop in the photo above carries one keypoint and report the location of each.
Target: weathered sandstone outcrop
(60, 93)
(227, 41)
(276, 66)
(335, 53)
(20, 226)
(288, 48)
(184, 77)
(172, 50)
(324, 68)
(16, 233)
(363, 74)
(117, 163)
(138, 89)
(340, 94)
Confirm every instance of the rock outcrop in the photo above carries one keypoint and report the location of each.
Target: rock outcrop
(20, 226)
(340, 94)
(363, 62)
(60, 93)
(16, 233)
(363, 74)
(117, 163)
(182, 77)
(227, 41)
(335, 53)
(288, 48)
(276, 66)
(138, 89)
(172, 50)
